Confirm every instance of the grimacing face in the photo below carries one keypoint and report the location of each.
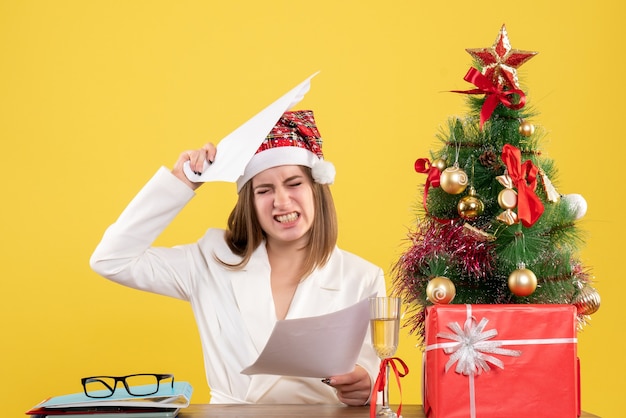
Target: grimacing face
(284, 203)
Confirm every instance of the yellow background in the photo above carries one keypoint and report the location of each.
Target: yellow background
(96, 95)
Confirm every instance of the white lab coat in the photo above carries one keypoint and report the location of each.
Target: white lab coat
(234, 310)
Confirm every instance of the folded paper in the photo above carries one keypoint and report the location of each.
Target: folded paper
(236, 149)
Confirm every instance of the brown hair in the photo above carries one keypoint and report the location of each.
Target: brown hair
(244, 233)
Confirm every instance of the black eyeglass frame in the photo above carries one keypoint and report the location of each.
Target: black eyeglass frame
(122, 379)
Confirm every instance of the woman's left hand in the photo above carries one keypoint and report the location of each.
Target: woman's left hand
(353, 388)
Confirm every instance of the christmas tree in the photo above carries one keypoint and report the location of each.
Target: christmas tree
(491, 226)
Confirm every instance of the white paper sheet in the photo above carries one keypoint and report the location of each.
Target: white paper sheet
(236, 149)
(321, 346)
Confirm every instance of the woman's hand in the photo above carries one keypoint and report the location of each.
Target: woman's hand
(353, 388)
(196, 159)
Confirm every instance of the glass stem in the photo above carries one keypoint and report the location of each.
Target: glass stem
(386, 389)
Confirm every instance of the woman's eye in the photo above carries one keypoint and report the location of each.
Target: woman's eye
(295, 184)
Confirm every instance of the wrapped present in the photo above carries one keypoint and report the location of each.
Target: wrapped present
(501, 361)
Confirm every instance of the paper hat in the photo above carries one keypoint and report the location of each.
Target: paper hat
(294, 140)
(237, 150)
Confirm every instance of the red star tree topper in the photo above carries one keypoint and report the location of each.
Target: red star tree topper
(499, 63)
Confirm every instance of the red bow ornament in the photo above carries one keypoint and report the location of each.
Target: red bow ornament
(381, 380)
(494, 94)
(423, 165)
(524, 177)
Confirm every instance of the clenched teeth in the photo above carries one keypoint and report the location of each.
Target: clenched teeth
(290, 217)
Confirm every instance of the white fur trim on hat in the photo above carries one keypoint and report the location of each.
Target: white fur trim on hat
(275, 157)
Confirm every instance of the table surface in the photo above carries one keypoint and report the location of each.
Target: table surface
(267, 411)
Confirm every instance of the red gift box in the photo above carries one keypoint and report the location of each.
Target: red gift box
(501, 361)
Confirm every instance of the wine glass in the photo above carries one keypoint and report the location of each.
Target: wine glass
(385, 330)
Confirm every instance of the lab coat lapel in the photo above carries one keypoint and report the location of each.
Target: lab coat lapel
(317, 294)
(253, 293)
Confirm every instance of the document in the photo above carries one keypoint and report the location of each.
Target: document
(237, 148)
(321, 346)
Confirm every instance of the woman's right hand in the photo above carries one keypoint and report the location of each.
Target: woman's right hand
(196, 159)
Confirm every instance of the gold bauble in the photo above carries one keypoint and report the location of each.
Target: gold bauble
(453, 180)
(522, 282)
(587, 302)
(470, 207)
(440, 290)
(526, 129)
(440, 164)
(507, 199)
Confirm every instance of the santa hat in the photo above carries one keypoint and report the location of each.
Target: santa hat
(294, 140)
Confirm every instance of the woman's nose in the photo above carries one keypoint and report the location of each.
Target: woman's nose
(281, 197)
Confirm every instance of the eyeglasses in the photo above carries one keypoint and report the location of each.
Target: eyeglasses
(135, 384)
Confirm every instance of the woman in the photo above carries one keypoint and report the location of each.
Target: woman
(278, 259)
